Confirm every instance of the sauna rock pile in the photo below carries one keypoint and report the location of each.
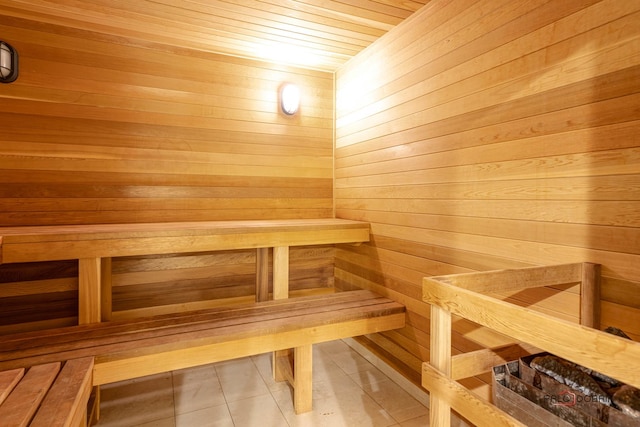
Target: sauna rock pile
(604, 389)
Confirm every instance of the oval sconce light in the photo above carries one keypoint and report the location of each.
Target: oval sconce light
(8, 63)
(290, 99)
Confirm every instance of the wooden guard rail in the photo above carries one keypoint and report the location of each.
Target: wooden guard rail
(462, 295)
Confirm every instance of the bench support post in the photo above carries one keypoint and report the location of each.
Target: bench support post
(89, 290)
(440, 359)
(280, 291)
(106, 293)
(590, 295)
(94, 299)
(262, 274)
(303, 378)
(280, 272)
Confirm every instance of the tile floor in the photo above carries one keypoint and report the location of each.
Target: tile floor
(348, 390)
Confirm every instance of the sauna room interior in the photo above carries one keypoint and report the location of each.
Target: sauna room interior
(471, 135)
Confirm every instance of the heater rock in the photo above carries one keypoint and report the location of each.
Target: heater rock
(566, 373)
(627, 398)
(616, 331)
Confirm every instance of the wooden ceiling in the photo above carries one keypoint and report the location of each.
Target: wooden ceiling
(317, 34)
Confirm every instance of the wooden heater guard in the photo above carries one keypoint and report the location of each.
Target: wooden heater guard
(463, 295)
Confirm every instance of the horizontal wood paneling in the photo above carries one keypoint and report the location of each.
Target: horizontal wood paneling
(130, 114)
(111, 126)
(489, 135)
(36, 295)
(141, 284)
(311, 33)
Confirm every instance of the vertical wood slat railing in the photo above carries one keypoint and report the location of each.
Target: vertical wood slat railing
(462, 295)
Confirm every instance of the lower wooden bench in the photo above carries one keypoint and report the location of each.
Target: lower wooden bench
(50, 395)
(144, 346)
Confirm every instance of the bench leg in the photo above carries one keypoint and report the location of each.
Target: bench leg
(89, 290)
(106, 292)
(280, 291)
(440, 359)
(590, 295)
(280, 359)
(93, 409)
(303, 378)
(262, 274)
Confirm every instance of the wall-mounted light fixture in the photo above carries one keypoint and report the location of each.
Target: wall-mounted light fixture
(290, 99)
(8, 63)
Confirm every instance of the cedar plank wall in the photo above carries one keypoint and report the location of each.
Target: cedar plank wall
(105, 129)
(493, 134)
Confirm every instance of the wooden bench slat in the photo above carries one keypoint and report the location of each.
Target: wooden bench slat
(51, 243)
(137, 347)
(213, 332)
(25, 340)
(56, 233)
(65, 404)
(30, 344)
(253, 320)
(254, 327)
(120, 366)
(23, 402)
(8, 380)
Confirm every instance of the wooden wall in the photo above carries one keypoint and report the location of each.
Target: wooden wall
(493, 134)
(106, 129)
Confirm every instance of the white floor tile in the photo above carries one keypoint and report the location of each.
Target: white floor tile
(348, 390)
(264, 363)
(165, 422)
(351, 362)
(216, 416)
(422, 421)
(368, 377)
(197, 388)
(260, 411)
(344, 410)
(240, 379)
(395, 400)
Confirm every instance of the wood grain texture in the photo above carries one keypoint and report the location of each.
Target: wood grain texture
(312, 33)
(135, 348)
(66, 402)
(111, 123)
(599, 351)
(464, 402)
(50, 243)
(89, 290)
(8, 381)
(303, 375)
(440, 359)
(46, 243)
(476, 135)
(22, 404)
(466, 365)
(484, 135)
(105, 129)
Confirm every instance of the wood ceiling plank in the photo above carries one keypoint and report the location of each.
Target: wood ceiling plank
(322, 34)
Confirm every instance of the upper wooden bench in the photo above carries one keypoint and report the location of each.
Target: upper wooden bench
(95, 245)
